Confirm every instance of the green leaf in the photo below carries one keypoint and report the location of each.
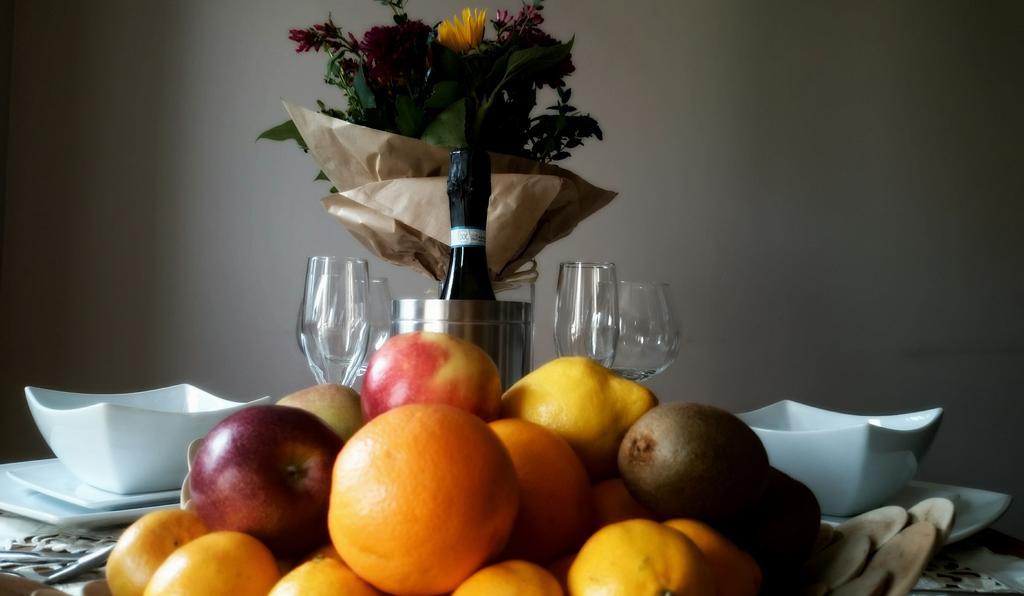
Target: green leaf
(447, 64)
(363, 91)
(498, 69)
(321, 176)
(524, 63)
(332, 72)
(444, 94)
(283, 132)
(409, 117)
(449, 128)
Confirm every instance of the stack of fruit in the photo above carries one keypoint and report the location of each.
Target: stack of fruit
(574, 481)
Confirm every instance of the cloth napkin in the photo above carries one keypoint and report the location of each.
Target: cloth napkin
(968, 568)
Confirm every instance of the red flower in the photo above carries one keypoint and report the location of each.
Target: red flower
(317, 36)
(555, 76)
(503, 18)
(524, 28)
(394, 51)
(531, 15)
(507, 25)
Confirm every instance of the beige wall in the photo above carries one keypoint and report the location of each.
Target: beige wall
(834, 190)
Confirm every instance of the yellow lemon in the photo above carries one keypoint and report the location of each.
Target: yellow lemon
(640, 556)
(510, 578)
(588, 405)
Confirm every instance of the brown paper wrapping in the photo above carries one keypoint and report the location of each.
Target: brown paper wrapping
(393, 199)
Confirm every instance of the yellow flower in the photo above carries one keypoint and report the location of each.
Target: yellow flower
(464, 35)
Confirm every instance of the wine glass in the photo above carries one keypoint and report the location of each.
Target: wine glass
(379, 309)
(586, 311)
(379, 318)
(298, 324)
(334, 329)
(648, 332)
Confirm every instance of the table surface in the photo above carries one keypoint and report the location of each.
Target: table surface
(993, 540)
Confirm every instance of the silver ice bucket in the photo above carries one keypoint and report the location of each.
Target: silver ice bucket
(502, 329)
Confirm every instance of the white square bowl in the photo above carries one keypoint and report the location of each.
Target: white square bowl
(128, 442)
(851, 463)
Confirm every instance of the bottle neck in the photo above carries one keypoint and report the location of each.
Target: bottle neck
(469, 192)
(469, 188)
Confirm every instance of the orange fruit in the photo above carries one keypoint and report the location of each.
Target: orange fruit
(322, 575)
(422, 496)
(219, 563)
(736, 573)
(510, 578)
(560, 569)
(555, 504)
(639, 556)
(145, 545)
(613, 503)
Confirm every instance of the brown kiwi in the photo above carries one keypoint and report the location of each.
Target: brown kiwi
(693, 460)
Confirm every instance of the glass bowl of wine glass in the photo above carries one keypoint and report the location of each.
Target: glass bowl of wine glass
(648, 340)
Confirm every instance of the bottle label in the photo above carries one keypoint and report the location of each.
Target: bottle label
(468, 237)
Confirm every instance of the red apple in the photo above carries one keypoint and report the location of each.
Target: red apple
(266, 471)
(431, 368)
(337, 405)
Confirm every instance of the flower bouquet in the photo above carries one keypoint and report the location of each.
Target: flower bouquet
(413, 93)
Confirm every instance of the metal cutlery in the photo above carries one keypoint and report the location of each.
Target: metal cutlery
(64, 569)
(18, 556)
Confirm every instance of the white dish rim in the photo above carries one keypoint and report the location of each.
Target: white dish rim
(859, 420)
(221, 404)
(956, 534)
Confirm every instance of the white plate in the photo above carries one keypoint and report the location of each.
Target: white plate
(21, 500)
(976, 509)
(51, 478)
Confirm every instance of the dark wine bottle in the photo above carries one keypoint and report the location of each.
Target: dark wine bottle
(469, 192)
